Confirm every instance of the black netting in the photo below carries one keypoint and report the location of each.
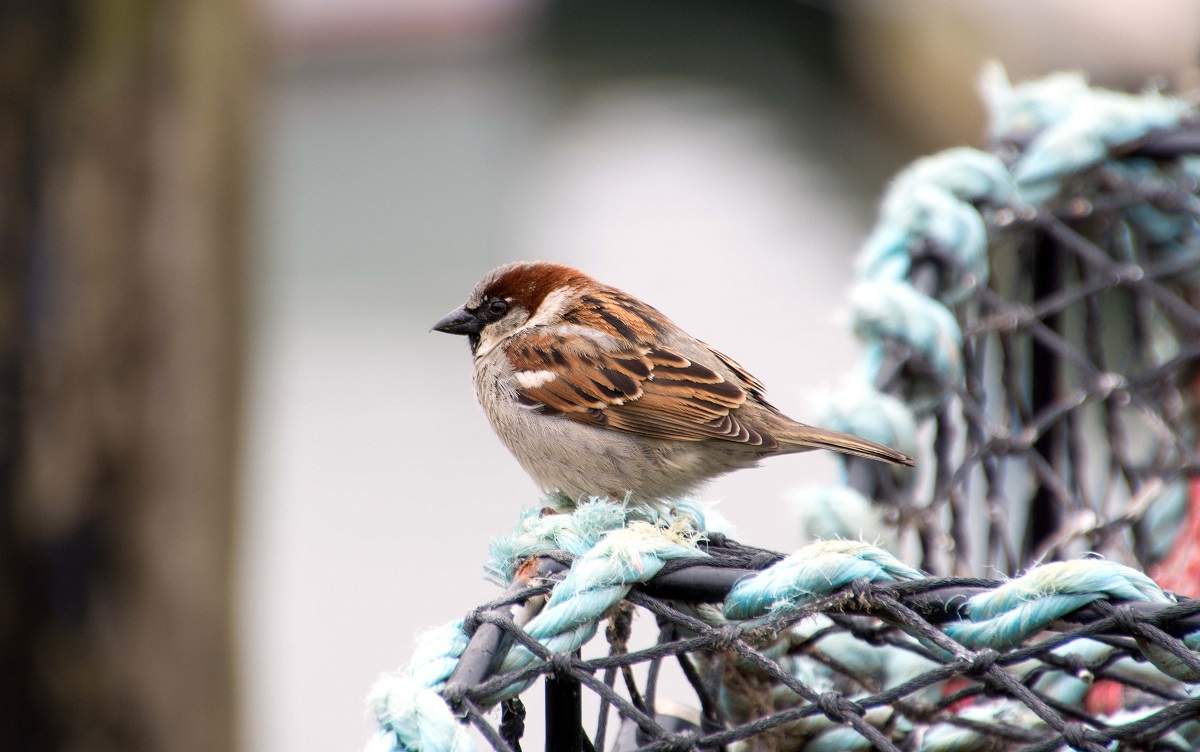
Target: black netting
(1076, 410)
(867, 667)
(1071, 429)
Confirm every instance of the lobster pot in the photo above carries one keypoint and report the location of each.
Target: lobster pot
(1031, 330)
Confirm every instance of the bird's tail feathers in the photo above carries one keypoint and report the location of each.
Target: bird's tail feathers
(801, 438)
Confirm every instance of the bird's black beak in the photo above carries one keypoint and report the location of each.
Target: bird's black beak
(460, 321)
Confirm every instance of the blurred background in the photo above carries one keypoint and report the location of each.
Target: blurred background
(237, 473)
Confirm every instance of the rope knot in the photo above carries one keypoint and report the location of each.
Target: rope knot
(980, 662)
(454, 694)
(837, 708)
(1079, 736)
(472, 621)
(861, 589)
(684, 742)
(1126, 620)
(725, 638)
(562, 664)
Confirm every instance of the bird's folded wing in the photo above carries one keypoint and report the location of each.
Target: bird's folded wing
(639, 388)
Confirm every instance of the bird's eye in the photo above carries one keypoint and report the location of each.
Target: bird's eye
(498, 307)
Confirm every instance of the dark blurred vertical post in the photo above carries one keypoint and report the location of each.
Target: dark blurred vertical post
(1046, 511)
(123, 127)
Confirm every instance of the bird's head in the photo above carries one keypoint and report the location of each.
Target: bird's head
(513, 297)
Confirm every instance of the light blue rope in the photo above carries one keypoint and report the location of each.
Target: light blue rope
(904, 665)
(597, 581)
(536, 534)
(1068, 688)
(1073, 125)
(860, 409)
(1178, 737)
(843, 739)
(889, 309)
(412, 716)
(932, 200)
(816, 570)
(943, 200)
(836, 512)
(1166, 231)
(938, 200)
(616, 547)
(1065, 686)
(586, 525)
(1169, 663)
(947, 737)
(1006, 616)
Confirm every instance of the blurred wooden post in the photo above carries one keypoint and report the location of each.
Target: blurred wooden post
(123, 131)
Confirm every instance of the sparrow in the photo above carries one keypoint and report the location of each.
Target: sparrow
(598, 394)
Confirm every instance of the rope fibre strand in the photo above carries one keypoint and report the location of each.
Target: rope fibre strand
(843, 646)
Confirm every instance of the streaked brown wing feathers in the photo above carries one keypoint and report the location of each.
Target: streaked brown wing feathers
(753, 385)
(647, 390)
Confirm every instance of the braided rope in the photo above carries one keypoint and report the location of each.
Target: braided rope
(1073, 127)
(814, 571)
(412, 716)
(597, 581)
(1006, 616)
(933, 201)
(614, 547)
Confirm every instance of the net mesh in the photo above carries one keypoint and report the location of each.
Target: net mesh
(1071, 430)
(866, 667)
(1075, 413)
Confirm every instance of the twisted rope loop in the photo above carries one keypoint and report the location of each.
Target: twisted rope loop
(614, 548)
(814, 571)
(597, 581)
